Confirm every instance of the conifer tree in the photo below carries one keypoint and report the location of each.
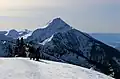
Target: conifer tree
(10, 50)
(18, 42)
(22, 41)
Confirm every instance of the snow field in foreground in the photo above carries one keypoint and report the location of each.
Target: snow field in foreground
(23, 68)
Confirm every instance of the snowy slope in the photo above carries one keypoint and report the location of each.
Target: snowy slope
(25, 35)
(19, 68)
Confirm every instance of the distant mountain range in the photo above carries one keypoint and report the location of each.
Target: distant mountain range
(112, 39)
(60, 42)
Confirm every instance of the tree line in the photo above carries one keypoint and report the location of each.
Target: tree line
(22, 49)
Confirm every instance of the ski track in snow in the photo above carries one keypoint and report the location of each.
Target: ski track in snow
(23, 68)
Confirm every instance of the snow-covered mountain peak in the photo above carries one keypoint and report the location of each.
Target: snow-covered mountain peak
(56, 20)
(57, 23)
(13, 33)
(55, 26)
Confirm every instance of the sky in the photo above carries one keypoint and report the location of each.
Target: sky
(85, 15)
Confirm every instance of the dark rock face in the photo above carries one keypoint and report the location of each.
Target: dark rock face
(81, 49)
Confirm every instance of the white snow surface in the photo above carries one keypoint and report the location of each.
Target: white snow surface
(25, 36)
(23, 68)
(47, 40)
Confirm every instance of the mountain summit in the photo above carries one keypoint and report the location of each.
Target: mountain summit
(57, 23)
